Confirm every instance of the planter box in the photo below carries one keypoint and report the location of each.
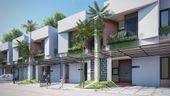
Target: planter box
(75, 53)
(124, 45)
(164, 37)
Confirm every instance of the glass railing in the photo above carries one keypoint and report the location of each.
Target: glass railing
(122, 41)
(164, 33)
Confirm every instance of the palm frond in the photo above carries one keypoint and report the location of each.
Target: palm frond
(96, 6)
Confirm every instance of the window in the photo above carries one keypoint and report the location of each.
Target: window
(71, 39)
(165, 68)
(165, 17)
(131, 24)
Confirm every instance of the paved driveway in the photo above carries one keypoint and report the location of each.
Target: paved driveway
(8, 89)
(140, 91)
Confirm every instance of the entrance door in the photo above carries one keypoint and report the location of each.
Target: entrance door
(67, 73)
(125, 71)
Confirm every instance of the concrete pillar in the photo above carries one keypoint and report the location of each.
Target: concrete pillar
(37, 77)
(109, 69)
(88, 70)
(30, 72)
(9, 53)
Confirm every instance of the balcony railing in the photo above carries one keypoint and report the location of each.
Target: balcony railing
(121, 41)
(164, 33)
(75, 51)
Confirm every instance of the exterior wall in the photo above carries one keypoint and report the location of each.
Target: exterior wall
(148, 24)
(1, 71)
(88, 70)
(71, 21)
(164, 4)
(40, 33)
(55, 74)
(148, 73)
(14, 45)
(74, 73)
(63, 42)
(109, 69)
(63, 28)
(4, 46)
(110, 28)
(120, 6)
(9, 53)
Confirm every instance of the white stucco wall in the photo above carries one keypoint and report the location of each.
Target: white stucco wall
(55, 74)
(50, 43)
(148, 73)
(71, 21)
(21, 38)
(63, 42)
(121, 6)
(74, 73)
(14, 45)
(148, 24)
(4, 46)
(9, 53)
(88, 70)
(40, 33)
(109, 69)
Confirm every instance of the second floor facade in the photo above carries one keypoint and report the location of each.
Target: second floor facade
(141, 21)
(44, 43)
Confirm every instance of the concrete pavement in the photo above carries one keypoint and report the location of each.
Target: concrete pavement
(8, 89)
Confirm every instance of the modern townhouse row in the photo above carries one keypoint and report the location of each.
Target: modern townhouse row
(140, 56)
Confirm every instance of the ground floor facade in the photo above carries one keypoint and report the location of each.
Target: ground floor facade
(151, 71)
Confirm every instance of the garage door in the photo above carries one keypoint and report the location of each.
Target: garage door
(55, 73)
(74, 73)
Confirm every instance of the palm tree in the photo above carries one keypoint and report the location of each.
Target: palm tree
(84, 31)
(98, 15)
(23, 48)
(30, 26)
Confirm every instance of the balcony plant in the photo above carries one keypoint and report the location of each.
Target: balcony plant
(2, 64)
(21, 59)
(76, 50)
(164, 30)
(39, 56)
(121, 41)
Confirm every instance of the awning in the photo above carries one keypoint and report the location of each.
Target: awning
(139, 51)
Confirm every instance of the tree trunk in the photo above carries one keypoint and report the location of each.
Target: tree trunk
(30, 68)
(97, 58)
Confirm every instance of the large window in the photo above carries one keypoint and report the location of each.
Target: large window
(165, 17)
(165, 68)
(131, 24)
(71, 39)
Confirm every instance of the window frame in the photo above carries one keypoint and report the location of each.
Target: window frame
(168, 68)
(168, 9)
(130, 16)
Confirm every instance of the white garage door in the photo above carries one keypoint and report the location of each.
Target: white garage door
(55, 74)
(74, 73)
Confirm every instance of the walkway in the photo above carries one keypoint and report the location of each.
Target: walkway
(8, 89)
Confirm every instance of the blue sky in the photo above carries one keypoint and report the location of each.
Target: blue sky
(14, 13)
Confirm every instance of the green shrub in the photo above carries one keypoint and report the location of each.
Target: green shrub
(20, 59)
(102, 84)
(39, 56)
(28, 82)
(164, 30)
(120, 39)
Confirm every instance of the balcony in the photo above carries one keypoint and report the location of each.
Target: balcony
(75, 51)
(164, 33)
(121, 41)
